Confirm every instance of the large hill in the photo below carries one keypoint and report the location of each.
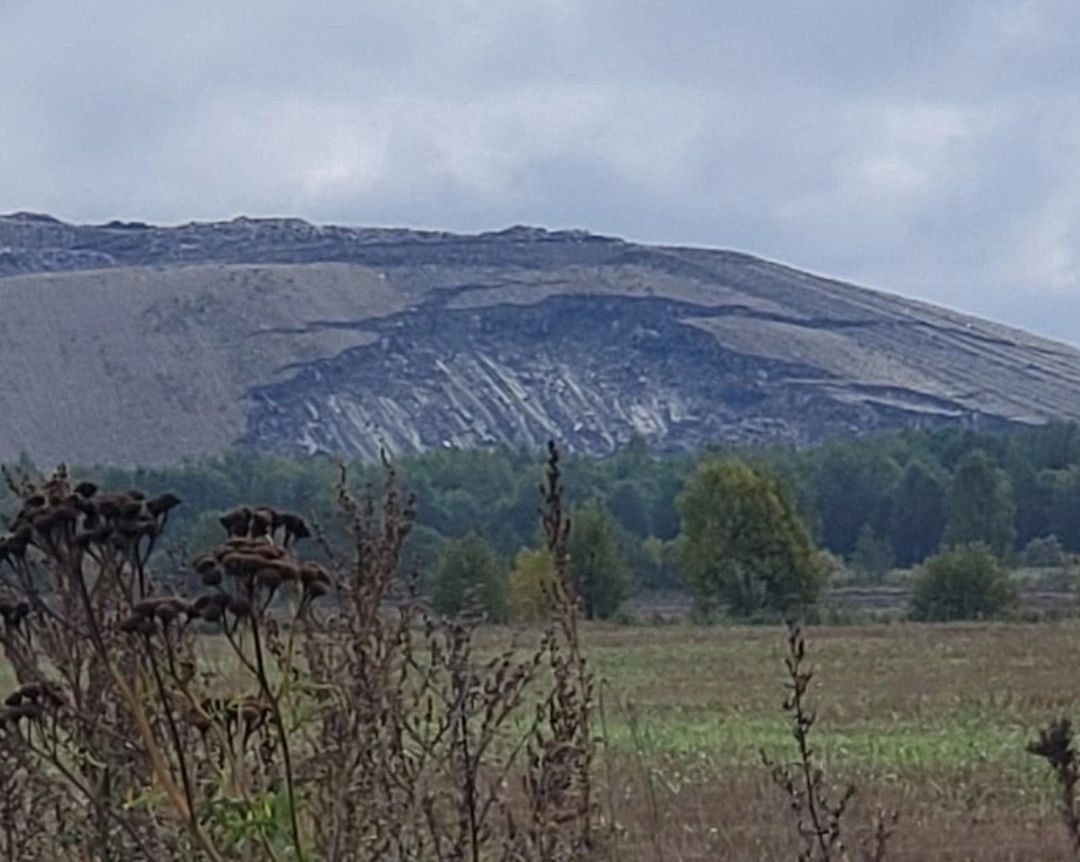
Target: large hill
(128, 343)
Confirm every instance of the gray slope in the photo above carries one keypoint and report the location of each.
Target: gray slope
(139, 344)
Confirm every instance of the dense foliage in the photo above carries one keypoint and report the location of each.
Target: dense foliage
(596, 560)
(965, 582)
(469, 574)
(743, 542)
(898, 496)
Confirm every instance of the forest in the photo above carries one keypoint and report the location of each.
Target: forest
(874, 503)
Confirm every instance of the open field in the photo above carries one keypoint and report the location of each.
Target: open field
(929, 720)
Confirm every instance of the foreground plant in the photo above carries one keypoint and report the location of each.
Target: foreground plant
(344, 722)
(1056, 745)
(818, 811)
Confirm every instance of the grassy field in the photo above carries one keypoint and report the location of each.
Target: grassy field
(928, 720)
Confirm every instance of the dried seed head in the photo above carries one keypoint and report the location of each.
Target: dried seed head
(210, 606)
(131, 509)
(268, 578)
(295, 527)
(207, 562)
(316, 589)
(34, 692)
(109, 505)
(35, 501)
(288, 571)
(86, 490)
(237, 521)
(262, 520)
(314, 573)
(15, 714)
(212, 577)
(239, 608)
(143, 526)
(162, 504)
(84, 539)
(14, 612)
(138, 624)
(237, 563)
(169, 608)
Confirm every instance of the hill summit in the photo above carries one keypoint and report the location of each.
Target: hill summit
(129, 343)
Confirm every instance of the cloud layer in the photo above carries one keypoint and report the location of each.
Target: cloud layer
(920, 147)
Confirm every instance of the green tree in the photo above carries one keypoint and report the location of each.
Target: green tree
(965, 582)
(661, 566)
(854, 486)
(742, 540)
(1061, 513)
(469, 571)
(628, 506)
(980, 504)
(531, 583)
(919, 513)
(599, 567)
(872, 557)
(1044, 552)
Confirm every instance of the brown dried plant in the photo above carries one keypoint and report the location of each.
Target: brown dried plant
(346, 722)
(561, 748)
(1056, 745)
(818, 815)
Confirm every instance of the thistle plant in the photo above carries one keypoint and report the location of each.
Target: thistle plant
(293, 708)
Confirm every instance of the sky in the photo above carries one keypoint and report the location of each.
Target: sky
(929, 148)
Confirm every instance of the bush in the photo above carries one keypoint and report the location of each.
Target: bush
(965, 582)
(334, 712)
(1044, 552)
(468, 573)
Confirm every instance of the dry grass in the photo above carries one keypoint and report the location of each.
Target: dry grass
(461, 743)
(931, 720)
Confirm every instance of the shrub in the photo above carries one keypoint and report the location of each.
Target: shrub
(962, 583)
(1044, 552)
(344, 717)
(469, 573)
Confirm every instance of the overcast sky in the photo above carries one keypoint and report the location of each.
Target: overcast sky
(926, 147)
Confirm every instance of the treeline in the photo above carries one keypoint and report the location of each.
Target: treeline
(875, 502)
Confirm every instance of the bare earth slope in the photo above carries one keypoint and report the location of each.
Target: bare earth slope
(125, 343)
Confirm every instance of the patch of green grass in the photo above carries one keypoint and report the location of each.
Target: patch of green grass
(935, 709)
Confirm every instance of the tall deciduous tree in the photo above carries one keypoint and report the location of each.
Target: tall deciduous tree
(628, 506)
(854, 487)
(743, 542)
(919, 513)
(980, 504)
(531, 583)
(599, 567)
(873, 556)
(469, 571)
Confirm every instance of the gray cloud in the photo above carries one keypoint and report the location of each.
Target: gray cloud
(921, 147)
